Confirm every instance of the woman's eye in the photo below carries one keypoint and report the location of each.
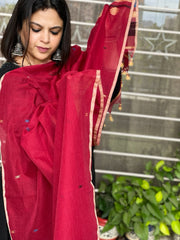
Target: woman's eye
(54, 33)
(36, 30)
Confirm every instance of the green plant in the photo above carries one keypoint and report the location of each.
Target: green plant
(104, 198)
(167, 185)
(135, 204)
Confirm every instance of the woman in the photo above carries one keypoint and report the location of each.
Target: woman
(19, 58)
(52, 109)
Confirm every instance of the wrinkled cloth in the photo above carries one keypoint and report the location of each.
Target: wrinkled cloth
(48, 124)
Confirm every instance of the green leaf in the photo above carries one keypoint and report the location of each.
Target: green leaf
(175, 188)
(118, 207)
(104, 203)
(167, 187)
(127, 188)
(139, 200)
(102, 187)
(108, 177)
(117, 196)
(178, 166)
(155, 211)
(145, 213)
(122, 229)
(164, 229)
(177, 173)
(131, 195)
(177, 215)
(174, 201)
(123, 202)
(159, 165)
(156, 231)
(175, 225)
(145, 185)
(169, 218)
(151, 221)
(136, 181)
(148, 166)
(139, 191)
(115, 219)
(136, 218)
(173, 208)
(164, 210)
(169, 175)
(168, 206)
(165, 195)
(117, 191)
(141, 231)
(133, 209)
(121, 179)
(126, 218)
(150, 196)
(167, 169)
(117, 187)
(159, 196)
(159, 176)
(107, 227)
(111, 214)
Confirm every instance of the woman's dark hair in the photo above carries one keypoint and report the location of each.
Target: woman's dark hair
(23, 11)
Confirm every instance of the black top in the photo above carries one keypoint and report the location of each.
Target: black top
(6, 67)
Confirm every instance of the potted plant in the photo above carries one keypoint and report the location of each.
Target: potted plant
(104, 204)
(141, 205)
(167, 183)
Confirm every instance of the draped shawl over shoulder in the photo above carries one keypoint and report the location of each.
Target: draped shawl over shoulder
(48, 123)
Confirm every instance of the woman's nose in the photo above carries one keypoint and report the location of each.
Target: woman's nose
(45, 37)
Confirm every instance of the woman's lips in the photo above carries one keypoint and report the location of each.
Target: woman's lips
(42, 50)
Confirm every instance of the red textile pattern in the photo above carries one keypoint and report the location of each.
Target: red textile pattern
(48, 125)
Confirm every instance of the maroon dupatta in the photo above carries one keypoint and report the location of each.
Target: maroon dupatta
(48, 125)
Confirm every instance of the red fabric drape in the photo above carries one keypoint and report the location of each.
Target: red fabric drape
(48, 125)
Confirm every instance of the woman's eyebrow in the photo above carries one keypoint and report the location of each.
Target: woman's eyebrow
(55, 27)
(35, 24)
(60, 27)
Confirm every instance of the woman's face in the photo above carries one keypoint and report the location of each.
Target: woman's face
(46, 29)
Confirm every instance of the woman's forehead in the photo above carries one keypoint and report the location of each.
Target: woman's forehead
(47, 17)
